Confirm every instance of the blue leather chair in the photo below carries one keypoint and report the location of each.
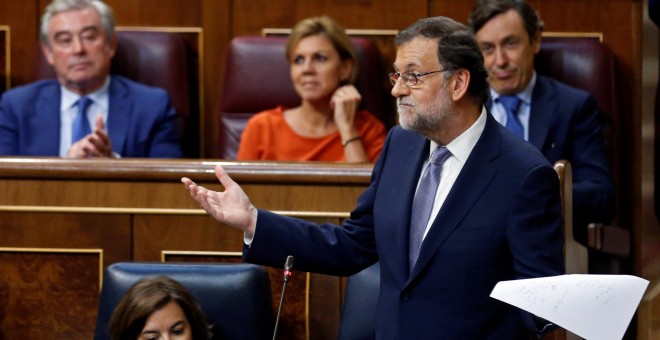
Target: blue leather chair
(235, 297)
(358, 316)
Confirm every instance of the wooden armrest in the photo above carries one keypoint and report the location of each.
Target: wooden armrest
(609, 239)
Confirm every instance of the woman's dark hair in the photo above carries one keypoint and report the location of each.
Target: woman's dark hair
(149, 295)
(457, 49)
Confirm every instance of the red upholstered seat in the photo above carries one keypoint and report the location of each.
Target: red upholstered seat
(588, 64)
(585, 63)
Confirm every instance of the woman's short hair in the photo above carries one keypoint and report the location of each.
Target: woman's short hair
(330, 29)
(149, 295)
(57, 6)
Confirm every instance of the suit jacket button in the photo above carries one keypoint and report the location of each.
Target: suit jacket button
(405, 295)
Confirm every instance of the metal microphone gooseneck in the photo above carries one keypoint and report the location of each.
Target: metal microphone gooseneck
(288, 265)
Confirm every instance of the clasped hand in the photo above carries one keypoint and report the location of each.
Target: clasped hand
(95, 144)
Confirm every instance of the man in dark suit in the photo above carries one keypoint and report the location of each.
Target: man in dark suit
(85, 112)
(495, 214)
(557, 119)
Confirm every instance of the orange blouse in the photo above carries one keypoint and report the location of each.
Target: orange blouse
(267, 136)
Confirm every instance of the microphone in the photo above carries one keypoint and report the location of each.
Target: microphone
(288, 265)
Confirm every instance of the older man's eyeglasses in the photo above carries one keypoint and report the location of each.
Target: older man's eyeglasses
(409, 78)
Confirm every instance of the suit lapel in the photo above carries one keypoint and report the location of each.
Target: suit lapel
(405, 155)
(543, 110)
(46, 123)
(417, 152)
(470, 184)
(119, 115)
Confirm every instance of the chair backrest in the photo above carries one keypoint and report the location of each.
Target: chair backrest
(587, 64)
(235, 297)
(162, 59)
(257, 78)
(575, 254)
(358, 315)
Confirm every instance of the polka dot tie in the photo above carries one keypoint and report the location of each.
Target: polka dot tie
(423, 202)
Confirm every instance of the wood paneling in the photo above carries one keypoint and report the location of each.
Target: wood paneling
(649, 314)
(138, 210)
(23, 22)
(67, 231)
(5, 72)
(156, 12)
(295, 322)
(249, 17)
(155, 233)
(215, 20)
(48, 294)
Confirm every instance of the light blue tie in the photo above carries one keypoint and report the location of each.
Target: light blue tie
(81, 127)
(423, 202)
(511, 103)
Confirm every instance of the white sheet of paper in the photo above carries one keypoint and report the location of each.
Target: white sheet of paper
(591, 306)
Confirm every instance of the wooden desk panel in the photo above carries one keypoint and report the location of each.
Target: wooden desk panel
(5, 71)
(40, 288)
(137, 210)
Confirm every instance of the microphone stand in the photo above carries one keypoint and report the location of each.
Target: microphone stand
(287, 276)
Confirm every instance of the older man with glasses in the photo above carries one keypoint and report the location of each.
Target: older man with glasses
(456, 204)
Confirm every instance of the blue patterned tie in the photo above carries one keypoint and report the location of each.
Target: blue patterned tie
(511, 103)
(81, 126)
(423, 202)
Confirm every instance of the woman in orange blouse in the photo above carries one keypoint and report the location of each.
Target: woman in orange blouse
(327, 125)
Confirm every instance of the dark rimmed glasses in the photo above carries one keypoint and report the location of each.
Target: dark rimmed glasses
(409, 78)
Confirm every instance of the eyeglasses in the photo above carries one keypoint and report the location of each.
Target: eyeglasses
(409, 78)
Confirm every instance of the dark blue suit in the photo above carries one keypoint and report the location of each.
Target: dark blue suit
(141, 121)
(563, 124)
(500, 221)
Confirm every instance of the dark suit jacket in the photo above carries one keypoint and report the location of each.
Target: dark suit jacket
(141, 121)
(500, 221)
(564, 124)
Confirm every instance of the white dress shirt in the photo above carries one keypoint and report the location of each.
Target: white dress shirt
(498, 111)
(460, 149)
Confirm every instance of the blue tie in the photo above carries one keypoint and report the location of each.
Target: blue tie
(511, 103)
(81, 126)
(423, 202)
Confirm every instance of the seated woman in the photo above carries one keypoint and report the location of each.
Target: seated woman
(327, 126)
(157, 308)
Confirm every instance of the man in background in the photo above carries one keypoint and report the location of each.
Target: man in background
(559, 120)
(86, 112)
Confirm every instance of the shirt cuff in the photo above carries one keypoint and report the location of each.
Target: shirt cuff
(247, 238)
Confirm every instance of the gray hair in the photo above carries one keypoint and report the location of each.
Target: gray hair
(57, 6)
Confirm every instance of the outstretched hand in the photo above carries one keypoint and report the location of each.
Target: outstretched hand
(231, 207)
